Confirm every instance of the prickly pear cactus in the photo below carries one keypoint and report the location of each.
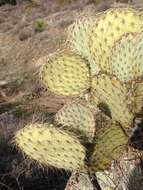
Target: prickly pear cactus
(113, 93)
(78, 118)
(94, 37)
(51, 147)
(126, 57)
(110, 142)
(138, 96)
(66, 74)
(104, 60)
(111, 25)
(78, 38)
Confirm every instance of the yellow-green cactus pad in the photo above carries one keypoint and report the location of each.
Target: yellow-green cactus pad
(115, 95)
(66, 74)
(77, 117)
(110, 144)
(138, 96)
(78, 38)
(111, 25)
(51, 147)
(139, 54)
(127, 57)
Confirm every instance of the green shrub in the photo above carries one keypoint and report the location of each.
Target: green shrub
(39, 26)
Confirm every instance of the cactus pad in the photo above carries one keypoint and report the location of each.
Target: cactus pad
(109, 90)
(78, 39)
(111, 25)
(127, 57)
(51, 147)
(138, 96)
(110, 143)
(78, 118)
(65, 74)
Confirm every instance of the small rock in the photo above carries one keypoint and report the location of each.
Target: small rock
(25, 34)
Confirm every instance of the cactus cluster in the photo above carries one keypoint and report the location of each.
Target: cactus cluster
(103, 64)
